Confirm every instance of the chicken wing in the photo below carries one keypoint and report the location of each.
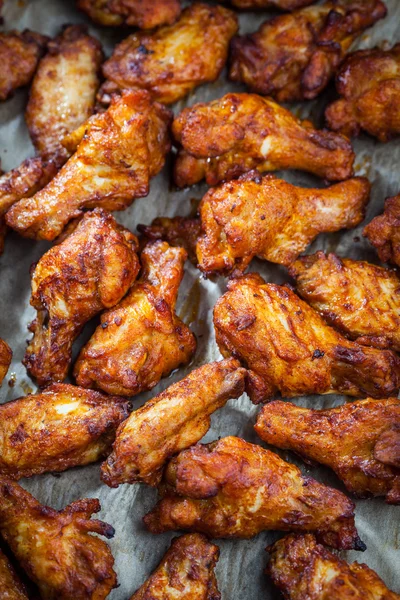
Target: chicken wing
(137, 13)
(224, 138)
(55, 548)
(119, 151)
(170, 422)
(11, 588)
(288, 347)
(359, 299)
(174, 60)
(63, 92)
(305, 570)
(231, 488)
(186, 571)
(178, 231)
(384, 232)
(141, 340)
(293, 57)
(5, 359)
(360, 441)
(19, 56)
(369, 85)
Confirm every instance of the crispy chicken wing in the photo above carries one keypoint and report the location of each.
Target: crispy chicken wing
(118, 152)
(174, 60)
(369, 83)
(141, 340)
(170, 422)
(293, 57)
(360, 441)
(5, 359)
(231, 488)
(55, 548)
(186, 572)
(11, 588)
(305, 570)
(384, 232)
(178, 231)
(137, 13)
(224, 138)
(288, 347)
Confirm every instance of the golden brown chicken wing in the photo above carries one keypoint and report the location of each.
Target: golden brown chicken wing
(369, 83)
(63, 92)
(170, 422)
(305, 570)
(119, 151)
(137, 13)
(359, 299)
(384, 232)
(141, 340)
(11, 588)
(288, 347)
(293, 57)
(231, 488)
(178, 231)
(5, 359)
(360, 441)
(174, 60)
(240, 132)
(55, 548)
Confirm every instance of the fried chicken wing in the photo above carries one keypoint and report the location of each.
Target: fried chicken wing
(384, 232)
(173, 60)
(360, 441)
(224, 138)
(5, 359)
(288, 348)
(369, 85)
(231, 488)
(137, 13)
(293, 57)
(55, 548)
(178, 231)
(305, 570)
(119, 151)
(141, 340)
(11, 588)
(63, 92)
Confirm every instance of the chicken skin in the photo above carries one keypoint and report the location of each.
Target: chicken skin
(224, 138)
(136, 13)
(141, 340)
(92, 269)
(384, 232)
(186, 571)
(118, 152)
(5, 359)
(369, 85)
(63, 92)
(178, 231)
(172, 421)
(174, 60)
(359, 299)
(55, 548)
(11, 588)
(231, 488)
(360, 441)
(293, 57)
(288, 348)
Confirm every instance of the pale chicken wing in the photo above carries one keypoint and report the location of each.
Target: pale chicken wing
(5, 359)
(384, 232)
(11, 588)
(136, 13)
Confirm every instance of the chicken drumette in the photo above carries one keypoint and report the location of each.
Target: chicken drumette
(384, 232)
(11, 588)
(5, 359)
(137, 13)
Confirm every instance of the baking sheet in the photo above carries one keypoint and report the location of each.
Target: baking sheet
(137, 553)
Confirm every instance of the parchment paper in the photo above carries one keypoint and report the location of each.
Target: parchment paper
(137, 552)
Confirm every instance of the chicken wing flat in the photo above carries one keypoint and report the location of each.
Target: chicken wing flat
(359, 299)
(92, 269)
(5, 359)
(119, 151)
(170, 422)
(305, 570)
(293, 57)
(360, 441)
(186, 571)
(288, 348)
(137, 13)
(19, 56)
(173, 60)
(55, 548)
(178, 231)
(231, 488)
(11, 588)
(141, 340)
(384, 232)
(63, 92)
(369, 85)
(224, 138)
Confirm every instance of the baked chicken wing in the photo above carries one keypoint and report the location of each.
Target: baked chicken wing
(137, 13)
(5, 359)
(360, 441)
(224, 138)
(118, 152)
(11, 588)
(288, 348)
(141, 340)
(55, 548)
(231, 488)
(384, 232)
(174, 60)
(305, 570)
(369, 85)
(293, 57)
